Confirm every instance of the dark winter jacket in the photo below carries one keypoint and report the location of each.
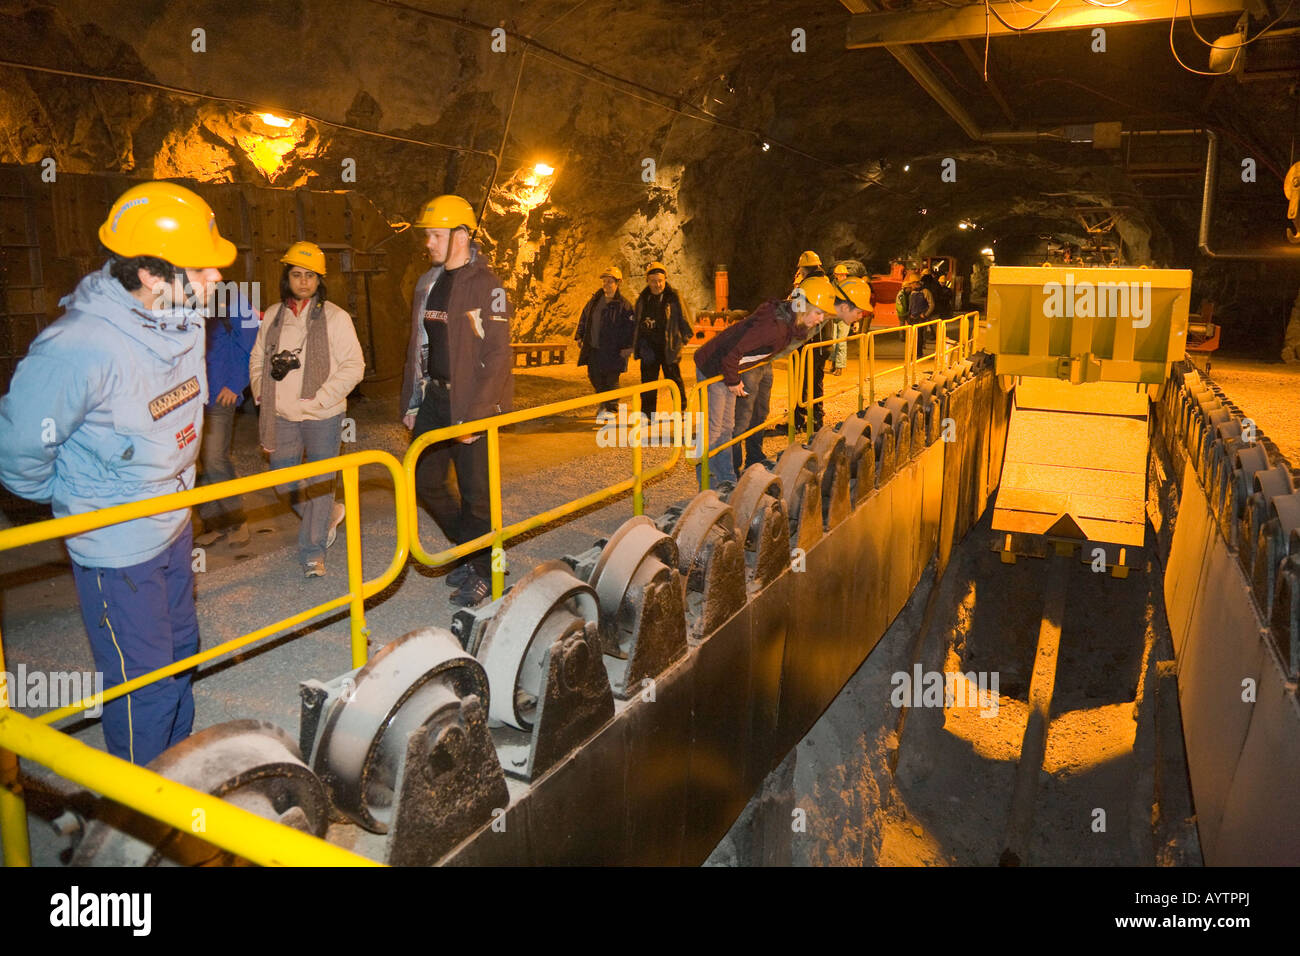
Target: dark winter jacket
(478, 338)
(753, 339)
(230, 342)
(617, 328)
(679, 330)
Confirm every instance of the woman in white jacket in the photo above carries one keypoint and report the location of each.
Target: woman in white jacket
(305, 362)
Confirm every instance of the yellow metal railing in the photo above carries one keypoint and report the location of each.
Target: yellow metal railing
(13, 815)
(867, 370)
(224, 824)
(700, 405)
(500, 532)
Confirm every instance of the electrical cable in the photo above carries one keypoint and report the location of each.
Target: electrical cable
(1192, 21)
(1009, 26)
(1173, 17)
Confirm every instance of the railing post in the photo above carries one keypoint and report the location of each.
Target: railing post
(356, 580)
(494, 496)
(638, 491)
(871, 369)
(13, 809)
(862, 349)
(808, 380)
(941, 363)
(793, 392)
(704, 436)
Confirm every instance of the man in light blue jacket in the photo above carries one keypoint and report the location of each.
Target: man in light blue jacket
(107, 408)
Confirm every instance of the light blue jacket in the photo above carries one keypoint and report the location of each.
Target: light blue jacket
(107, 408)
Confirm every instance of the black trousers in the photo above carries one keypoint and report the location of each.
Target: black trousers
(462, 509)
(651, 364)
(604, 380)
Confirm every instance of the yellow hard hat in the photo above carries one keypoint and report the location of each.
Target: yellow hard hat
(809, 258)
(168, 222)
(446, 212)
(656, 266)
(840, 270)
(306, 254)
(911, 277)
(858, 291)
(817, 292)
(614, 272)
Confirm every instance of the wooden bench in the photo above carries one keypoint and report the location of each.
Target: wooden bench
(539, 353)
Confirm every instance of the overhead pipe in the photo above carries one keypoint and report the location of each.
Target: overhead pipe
(1277, 253)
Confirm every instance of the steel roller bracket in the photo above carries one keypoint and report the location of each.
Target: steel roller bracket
(252, 764)
(642, 605)
(762, 525)
(831, 451)
(403, 747)
(1272, 547)
(540, 645)
(802, 492)
(711, 558)
(880, 421)
(862, 457)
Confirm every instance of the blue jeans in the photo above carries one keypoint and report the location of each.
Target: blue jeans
(140, 618)
(722, 420)
(215, 466)
(751, 410)
(311, 500)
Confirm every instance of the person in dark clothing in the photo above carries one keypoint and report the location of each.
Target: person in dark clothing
(663, 327)
(605, 333)
(458, 369)
(810, 266)
(231, 332)
(916, 304)
(774, 326)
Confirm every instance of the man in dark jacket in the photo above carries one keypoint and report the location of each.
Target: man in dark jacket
(663, 327)
(458, 369)
(605, 332)
(740, 347)
(231, 334)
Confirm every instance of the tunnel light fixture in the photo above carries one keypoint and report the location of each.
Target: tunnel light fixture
(270, 119)
(542, 169)
(907, 167)
(766, 146)
(963, 225)
(986, 251)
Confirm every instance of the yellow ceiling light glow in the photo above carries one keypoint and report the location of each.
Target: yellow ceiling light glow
(542, 169)
(270, 119)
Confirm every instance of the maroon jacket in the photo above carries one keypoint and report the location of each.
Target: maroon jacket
(481, 362)
(753, 339)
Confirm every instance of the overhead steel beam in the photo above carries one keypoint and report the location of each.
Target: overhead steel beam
(869, 29)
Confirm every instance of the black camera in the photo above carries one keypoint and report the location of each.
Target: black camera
(282, 363)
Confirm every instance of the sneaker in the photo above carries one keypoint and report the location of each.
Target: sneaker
(314, 569)
(458, 575)
(239, 537)
(209, 538)
(473, 592)
(336, 519)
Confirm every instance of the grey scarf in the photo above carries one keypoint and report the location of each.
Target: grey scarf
(316, 366)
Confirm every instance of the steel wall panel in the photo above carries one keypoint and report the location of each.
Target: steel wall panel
(658, 743)
(1186, 568)
(720, 779)
(1260, 826)
(768, 626)
(1222, 649)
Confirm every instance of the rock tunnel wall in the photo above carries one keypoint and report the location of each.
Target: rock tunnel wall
(663, 781)
(1225, 515)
